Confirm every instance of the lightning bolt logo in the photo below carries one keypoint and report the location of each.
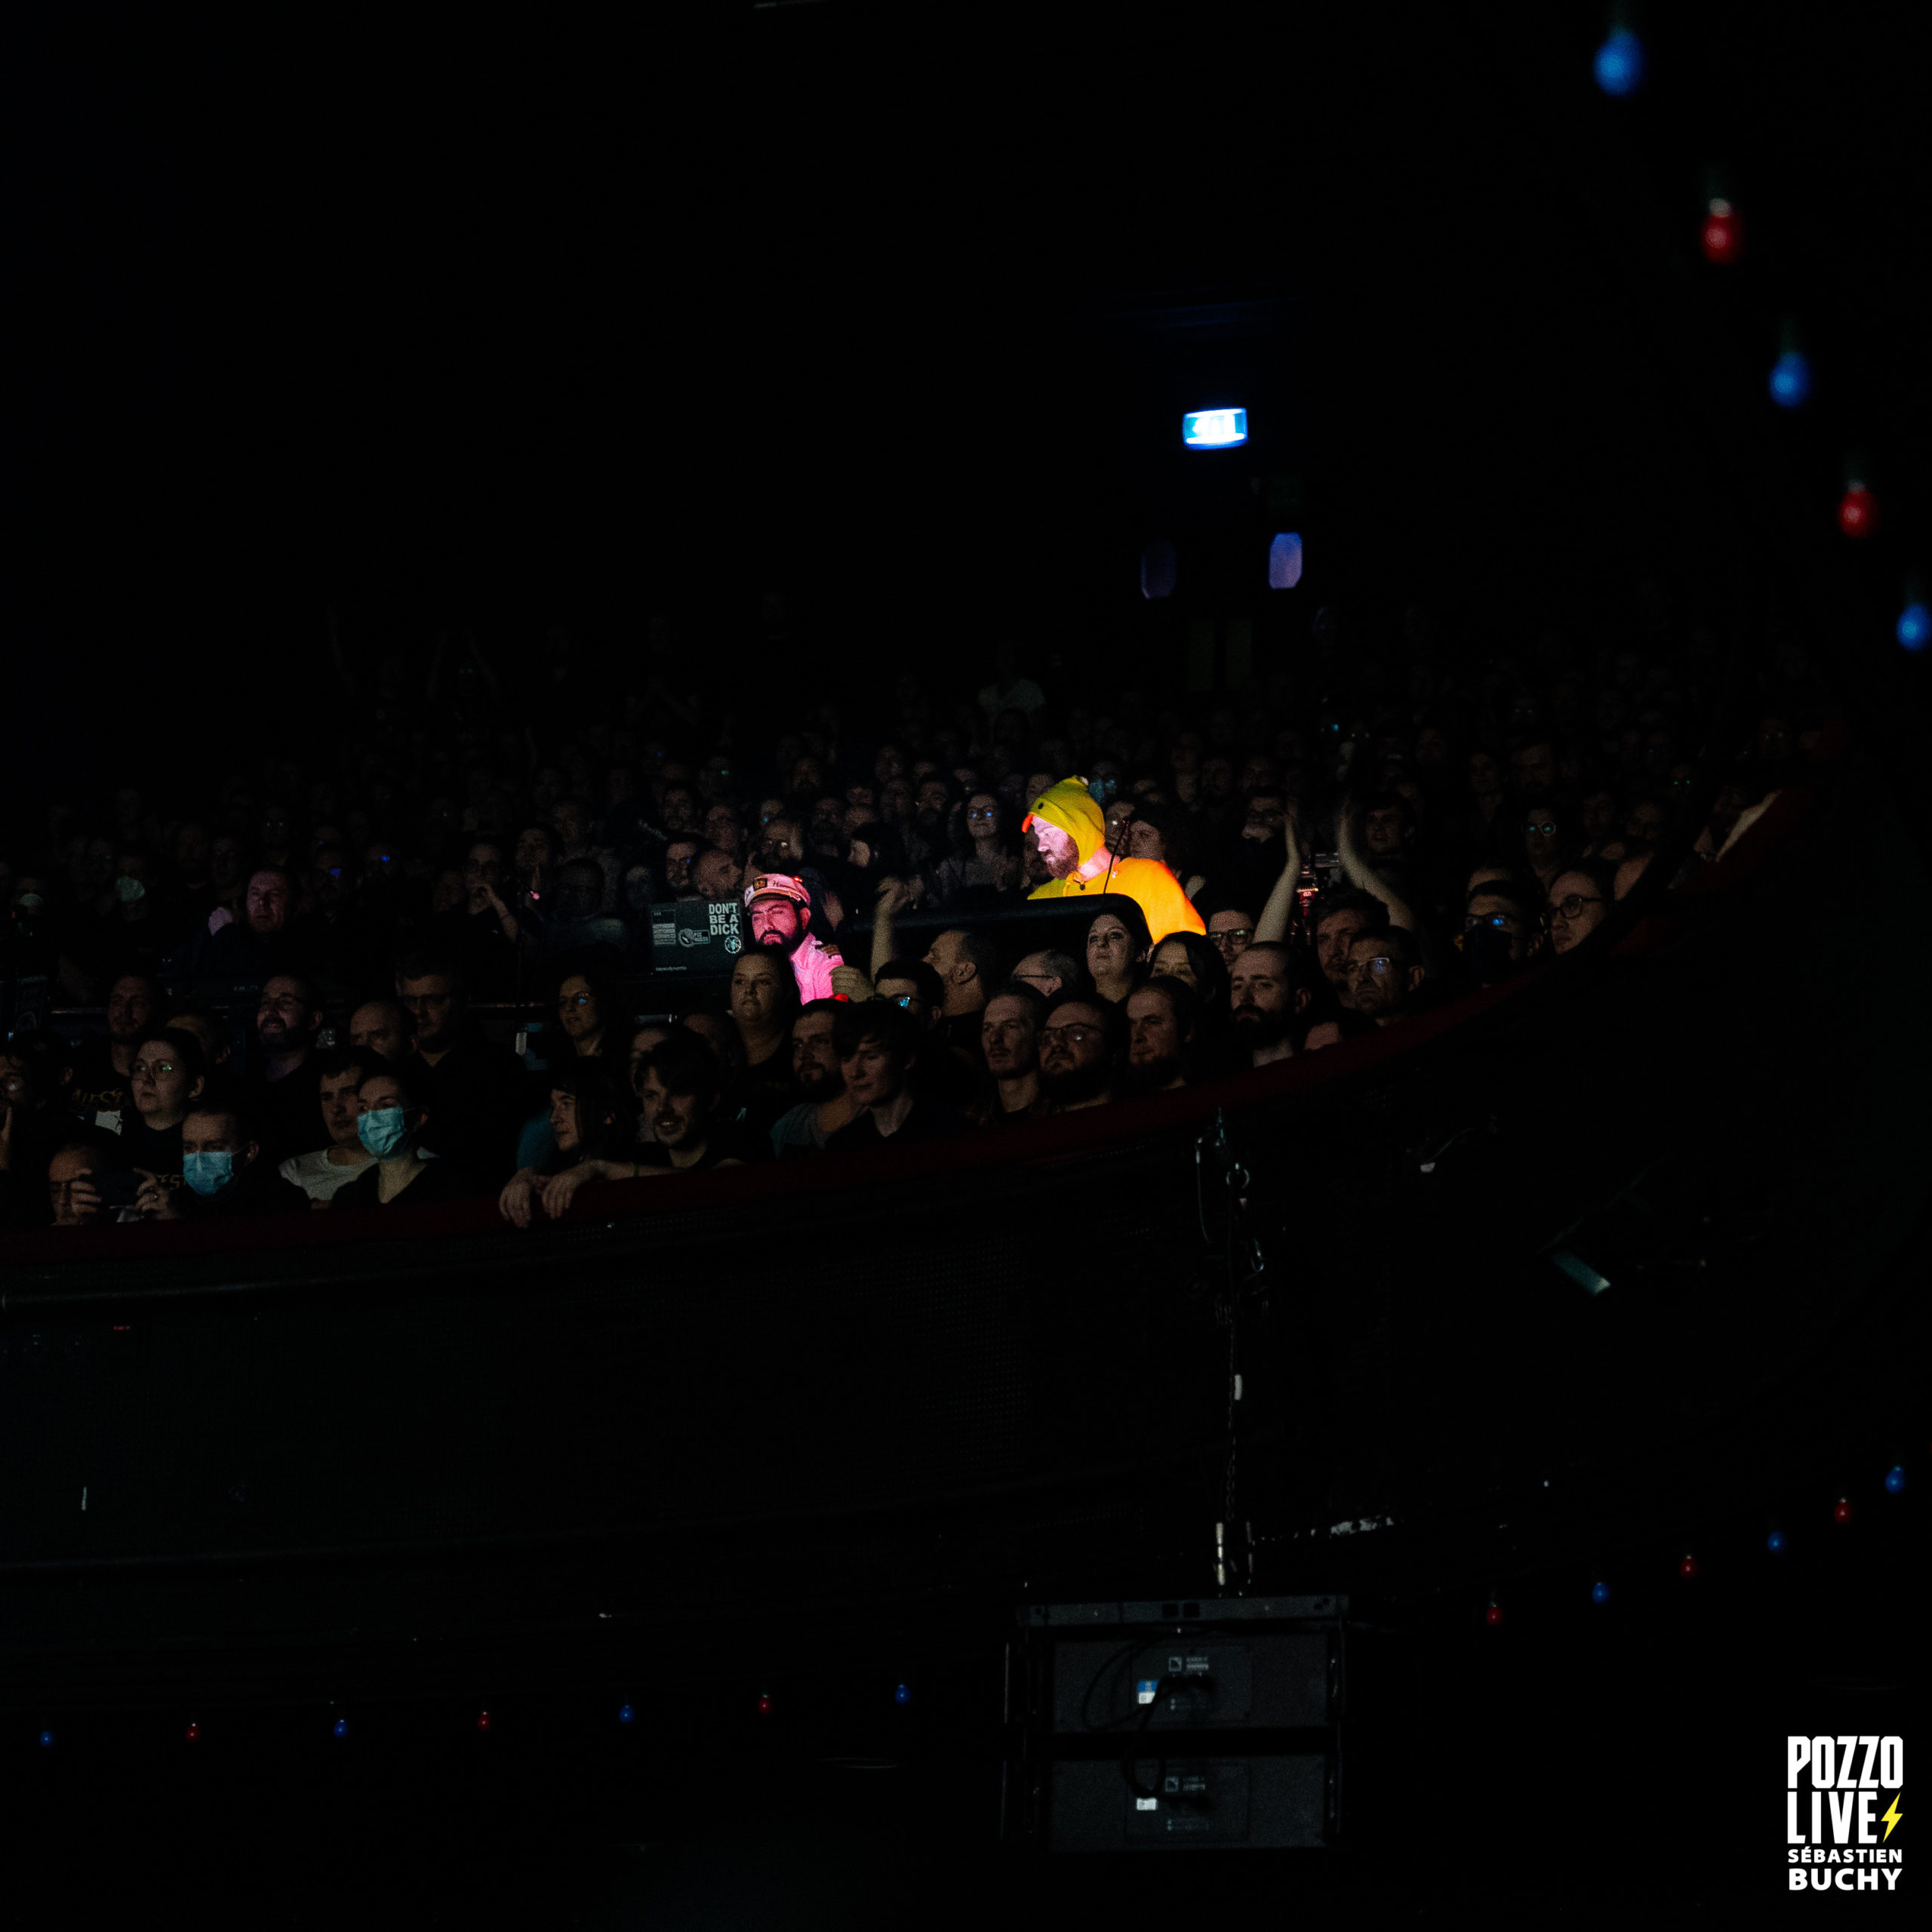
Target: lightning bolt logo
(1890, 1816)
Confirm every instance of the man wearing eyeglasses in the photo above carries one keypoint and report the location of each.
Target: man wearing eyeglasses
(1579, 902)
(1081, 1050)
(1338, 918)
(1232, 932)
(1048, 973)
(827, 1108)
(1385, 975)
(1500, 932)
(949, 1071)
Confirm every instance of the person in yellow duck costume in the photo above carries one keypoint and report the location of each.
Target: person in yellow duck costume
(1071, 831)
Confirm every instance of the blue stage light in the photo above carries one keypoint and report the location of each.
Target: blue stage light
(625, 1714)
(341, 1727)
(1285, 562)
(1214, 428)
(1894, 1479)
(46, 1740)
(1600, 1593)
(903, 1694)
(1791, 381)
(1774, 1543)
(1620, 64)
(1915, 630)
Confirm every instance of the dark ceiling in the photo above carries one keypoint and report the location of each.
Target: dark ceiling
(597, 321)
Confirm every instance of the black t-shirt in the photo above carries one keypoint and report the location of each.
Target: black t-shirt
(156, 1150)
(288, 1113)
(930, 1119)
(761, 1094)
(238, 953)
(1018, 1117)
(486, 955)
(476, 1106)
(434, 1181)
(961, 1031)
(745, 1143)
(97, 1089)
(947, 1076)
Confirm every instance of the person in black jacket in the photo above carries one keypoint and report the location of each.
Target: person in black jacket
(226, 1176)
(472, 1089)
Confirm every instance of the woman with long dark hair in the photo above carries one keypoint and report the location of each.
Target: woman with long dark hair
(985, 862)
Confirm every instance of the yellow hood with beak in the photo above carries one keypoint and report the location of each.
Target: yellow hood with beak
(1072, 809)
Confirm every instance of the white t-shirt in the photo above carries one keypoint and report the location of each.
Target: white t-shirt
(317, 1176)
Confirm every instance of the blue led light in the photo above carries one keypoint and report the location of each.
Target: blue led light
(1894, 1479)
(1620, 64)
(1214, 428)
(1285, 562)
(46, 1740)
(1774, 1543)
(1600, 1593)
(1791, 381)
(341, 1727)
(903, 1694)
(1915, 630)
(625, 1714)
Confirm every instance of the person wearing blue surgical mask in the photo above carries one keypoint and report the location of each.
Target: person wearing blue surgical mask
(222, 1174)
(390, 1117)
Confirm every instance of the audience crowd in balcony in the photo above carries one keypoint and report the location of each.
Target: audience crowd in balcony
(287, 954)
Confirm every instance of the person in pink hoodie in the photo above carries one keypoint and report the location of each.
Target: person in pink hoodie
(779, 908)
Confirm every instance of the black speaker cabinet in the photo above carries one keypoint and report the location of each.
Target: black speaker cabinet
(1187, 1725)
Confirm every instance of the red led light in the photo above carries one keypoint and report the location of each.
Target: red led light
(482, 1719)
(1841, 1511)
(1688, 1567)
(1858, 511)
(194, 1733)
(1493, 1615)
(1723, 234)
(764, 1706)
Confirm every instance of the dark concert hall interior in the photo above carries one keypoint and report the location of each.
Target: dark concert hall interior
(614, 575)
